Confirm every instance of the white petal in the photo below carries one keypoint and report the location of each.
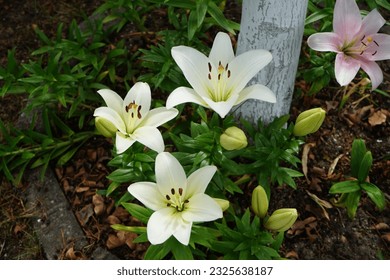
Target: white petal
(183, 232)
(194, 65)
(183, 95)
(245, 66)
(325, 42)
(159, 116)
(161, 225)
(258, 92)
(198, 181)
(346, 69)
(148, 194)
(112, 99)
(222, 49)
(141, 95)
(222, 108)
(112, 116)
(122, 143)
(202, 208)
(169, 173)
(150, 137)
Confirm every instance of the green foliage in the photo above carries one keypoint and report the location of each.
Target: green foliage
(246, 240)
(351, 190)
(28, 148)
(275, 148)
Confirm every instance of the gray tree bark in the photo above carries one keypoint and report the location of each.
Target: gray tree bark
(276, 26)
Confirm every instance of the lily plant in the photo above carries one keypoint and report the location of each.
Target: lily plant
(218, 81)
(356, 42)
(178, 201)
(133, 119)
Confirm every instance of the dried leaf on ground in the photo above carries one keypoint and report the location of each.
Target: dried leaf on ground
(378, 117)
(322, 203)
(332, 167)
(98, 202)
(305, 154)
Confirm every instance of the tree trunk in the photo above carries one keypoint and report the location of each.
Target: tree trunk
(276, 26)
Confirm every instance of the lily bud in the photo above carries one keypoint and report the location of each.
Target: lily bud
(233, 139)
(281, 219)
(223, 203)
(309, 121)
(105, 127)
(259, 201)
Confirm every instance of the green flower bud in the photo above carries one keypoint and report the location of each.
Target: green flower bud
(105, 127)
(309, 121)
(281, 219)
(233, 139)
(259, 201)
(223, 203)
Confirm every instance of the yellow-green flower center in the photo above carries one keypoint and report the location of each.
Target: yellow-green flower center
(219, 92)
(134, 115)
(359, 47)
(175, 199)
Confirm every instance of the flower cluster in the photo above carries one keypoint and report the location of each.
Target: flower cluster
(218, 83)
(356, 42)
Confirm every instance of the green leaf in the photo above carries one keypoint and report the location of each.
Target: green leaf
(201, 10)
(384, 3)
(365, 166)
(137, 211)
(345, 187)
(68, 155)
(157, 252)
(318, 15)
(352, 203)
(218, 16)
(292, 172)
(192, 25)
(144, 158)
(375, 194)
(181, 252)
(138, 230)
(357, 153)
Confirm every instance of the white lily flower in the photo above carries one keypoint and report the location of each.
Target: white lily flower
(133, 118)
(178, 201)
(218, 81)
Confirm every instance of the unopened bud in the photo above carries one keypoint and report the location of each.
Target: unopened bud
(223, 203)
(233, 139)
(309, 121)
(259, 201)
(105, 127)
(282, 219)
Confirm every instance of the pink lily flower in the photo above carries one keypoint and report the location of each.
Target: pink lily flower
(356, 42)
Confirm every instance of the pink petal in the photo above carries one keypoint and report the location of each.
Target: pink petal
(372, 23)
(374, 72)
(346, 19)
(325, 42)
(346, 69)
(382, 50)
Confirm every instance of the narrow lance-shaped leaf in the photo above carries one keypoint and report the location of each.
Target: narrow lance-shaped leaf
(365, 166)
(375, 194)
(345, 187)
(357, 153)
(352, 203)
